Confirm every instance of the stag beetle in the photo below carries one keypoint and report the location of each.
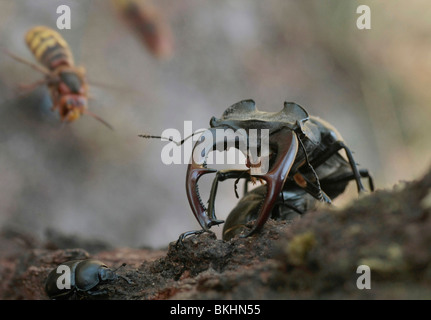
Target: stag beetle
(305, 166)
(85, 275)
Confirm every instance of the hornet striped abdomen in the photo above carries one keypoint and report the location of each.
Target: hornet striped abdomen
(66, 82)
(148, 23)
(49, 47)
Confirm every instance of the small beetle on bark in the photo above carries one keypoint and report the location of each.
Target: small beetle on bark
(85, 276)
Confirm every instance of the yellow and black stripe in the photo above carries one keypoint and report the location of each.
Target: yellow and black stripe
(49, 47)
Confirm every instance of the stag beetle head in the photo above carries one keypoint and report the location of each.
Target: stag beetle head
(273, 136)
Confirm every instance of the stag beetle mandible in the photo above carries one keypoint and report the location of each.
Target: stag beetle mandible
(305, 166)
(85, 275)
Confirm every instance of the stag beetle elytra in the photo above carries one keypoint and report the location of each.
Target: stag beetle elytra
(85, 275)
(305, 166)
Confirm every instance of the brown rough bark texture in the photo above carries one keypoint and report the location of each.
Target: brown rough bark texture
(313, 257)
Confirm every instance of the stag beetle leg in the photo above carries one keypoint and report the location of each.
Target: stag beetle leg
(313, 189)
(184, 235)
(333, 149)
(350, 176)
(365, 174)
(222, 175)
(352, 162)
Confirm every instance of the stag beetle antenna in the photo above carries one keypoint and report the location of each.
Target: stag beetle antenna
(320, 195)
(147, 136)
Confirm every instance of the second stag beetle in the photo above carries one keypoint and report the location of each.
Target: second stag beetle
(306, 165)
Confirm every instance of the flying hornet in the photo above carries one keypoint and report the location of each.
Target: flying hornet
(145, 19)
(66, 82)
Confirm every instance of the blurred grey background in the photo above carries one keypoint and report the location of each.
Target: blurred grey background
(83, 179)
